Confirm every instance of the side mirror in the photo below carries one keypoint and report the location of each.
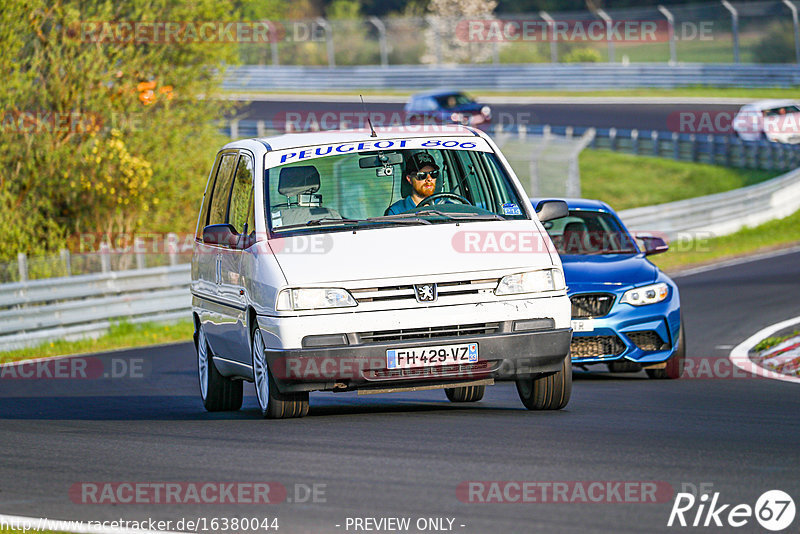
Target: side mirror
(551, 209)
(220, 234)
(653, 244)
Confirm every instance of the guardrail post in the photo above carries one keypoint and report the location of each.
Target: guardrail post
(22, 265)
(727, 149)
(612, 139)
(260, 128)
(569, 132)
(67, 261)
(693, 144)
(105, 257)
(742, 153)
(546, 132)
(711, 149)
(654, 139)
(734, 29)
(793, 9)
(234, 126)
(676, 147)
(769, 159)
(635, 141)
(138, 250)
(522, 131)
(673, 55)
(553, 43)
(603, 15)
(381, 27)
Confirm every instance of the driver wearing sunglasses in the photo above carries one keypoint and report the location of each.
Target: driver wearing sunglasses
(421, 173)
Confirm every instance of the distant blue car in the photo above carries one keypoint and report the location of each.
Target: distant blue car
(626, 313)
(443, 107)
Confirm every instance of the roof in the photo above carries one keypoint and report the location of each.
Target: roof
(579, 203)
(295, 140)
(768, 104)
(437, 92)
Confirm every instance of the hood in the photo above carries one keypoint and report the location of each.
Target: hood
(585, 273)
(413, 251)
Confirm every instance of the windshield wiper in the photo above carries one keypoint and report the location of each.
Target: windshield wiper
(464, 216)
(404, 218)
(318, 222)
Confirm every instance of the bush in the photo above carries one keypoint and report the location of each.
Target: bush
(777, 46)
(582, 55)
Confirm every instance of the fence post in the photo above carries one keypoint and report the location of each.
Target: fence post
(105, 257)
(793, 8)
(712, 149)
(635, 141)
(328, 41)
(734, 29)
(381, 27)
(609, 22)
(727, 149)
(275, 59)
(66, 260)
(22, 265)
(676, 146)
(742, 153)
(654, 138)
(553, 43)
(673, 56)
(693, 141)
(612, 139)
(172, 239)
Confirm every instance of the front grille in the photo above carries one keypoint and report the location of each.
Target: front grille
(591, 305)
(380, 336)
(647, 340)
(595, 346)
(465, 370)
(406, 292)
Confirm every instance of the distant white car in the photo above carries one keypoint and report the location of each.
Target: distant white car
(775, 120)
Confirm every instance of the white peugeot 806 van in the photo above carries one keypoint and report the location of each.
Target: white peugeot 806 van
(397, 260)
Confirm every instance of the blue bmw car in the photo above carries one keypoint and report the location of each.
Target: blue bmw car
(626, 313)
(447, 107)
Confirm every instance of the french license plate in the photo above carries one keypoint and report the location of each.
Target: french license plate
(431, 356)
(583, 325)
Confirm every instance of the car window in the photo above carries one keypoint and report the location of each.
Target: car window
(453, 100)
(241, 197)
(202, 219)
(338, 187)
(218, 212)
(590, 232)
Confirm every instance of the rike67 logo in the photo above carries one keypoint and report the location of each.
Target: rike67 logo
(774, 510)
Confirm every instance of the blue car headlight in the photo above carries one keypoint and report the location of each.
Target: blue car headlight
(640, 296)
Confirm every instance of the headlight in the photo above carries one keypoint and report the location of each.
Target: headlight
(487, 111)
(456, 117)
(314, 298)
(531, 282)
(646, 294)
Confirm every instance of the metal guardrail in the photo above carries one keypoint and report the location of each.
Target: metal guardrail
(78, 306)
(721, 213)
(510, 77)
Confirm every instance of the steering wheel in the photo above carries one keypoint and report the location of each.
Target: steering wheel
(438, 196)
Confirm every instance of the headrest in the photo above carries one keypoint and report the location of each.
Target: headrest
(575, 226)
(295, 180)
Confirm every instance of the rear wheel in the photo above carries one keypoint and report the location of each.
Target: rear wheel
(675, 364)
(272, 403)
(219, 393)
(465, 394)
(550, 392)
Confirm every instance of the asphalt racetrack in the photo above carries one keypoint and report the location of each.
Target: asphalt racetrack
(406, 455)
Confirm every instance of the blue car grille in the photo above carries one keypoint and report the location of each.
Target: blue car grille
(587, 305)
(595, 346)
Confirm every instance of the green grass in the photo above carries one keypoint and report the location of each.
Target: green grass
(694, 91)
(770, 342)
(120, 336)
(628, 181)
(772, 235)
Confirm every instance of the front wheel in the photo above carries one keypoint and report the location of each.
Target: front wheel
(219, 393)
(550, 392)
(465, 394)
(675, 363)
(272, 403)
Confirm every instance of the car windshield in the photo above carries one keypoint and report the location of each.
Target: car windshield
(453, 100)
(590, 232)
(370, 188)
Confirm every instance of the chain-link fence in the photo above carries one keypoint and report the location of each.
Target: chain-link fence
(713, 32)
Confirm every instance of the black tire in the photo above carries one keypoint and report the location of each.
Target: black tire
(465, 394)
(675, 364)
(219, 393)
(550, 392)
(272, 403)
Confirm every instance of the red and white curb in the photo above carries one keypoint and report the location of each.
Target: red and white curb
(740, 358)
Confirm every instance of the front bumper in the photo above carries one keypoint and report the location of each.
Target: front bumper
(615, 335)
(503, 356)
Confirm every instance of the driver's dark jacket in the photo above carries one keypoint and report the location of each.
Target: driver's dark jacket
(401, 206)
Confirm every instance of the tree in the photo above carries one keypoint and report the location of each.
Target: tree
(444, 37)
